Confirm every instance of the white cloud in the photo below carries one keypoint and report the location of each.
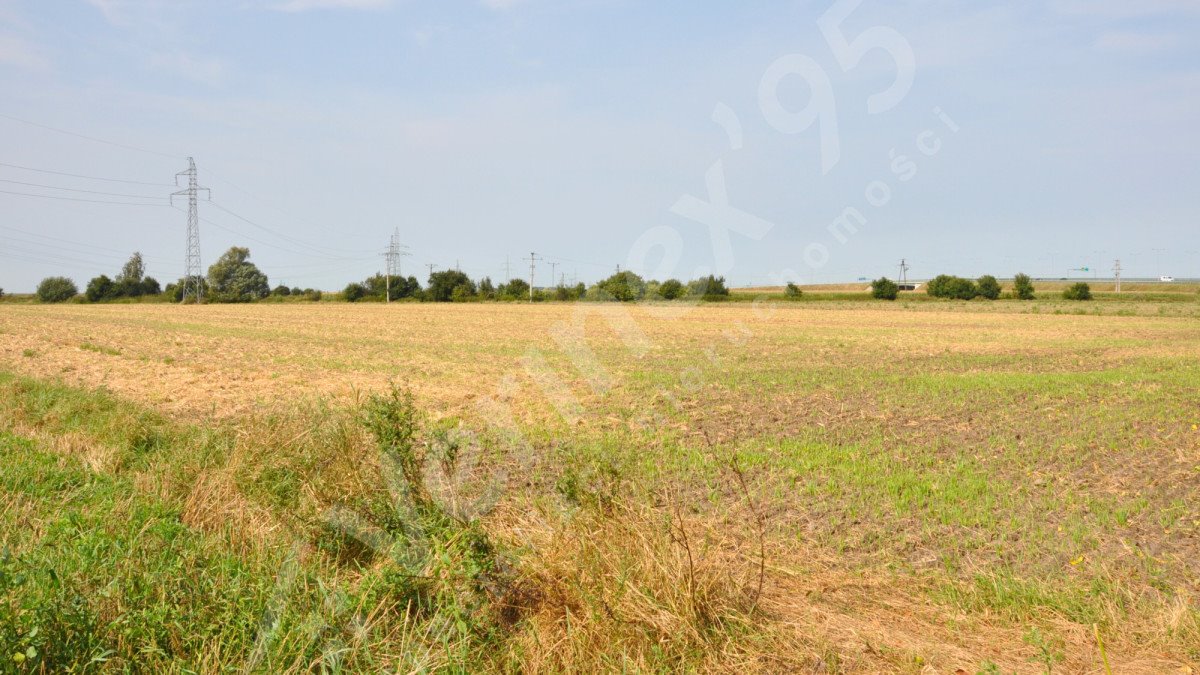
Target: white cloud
(499, 5)
(21, 53)
(204, 71)
(423, 36)
(307, 5)
(1125, 9)
(1135, 42)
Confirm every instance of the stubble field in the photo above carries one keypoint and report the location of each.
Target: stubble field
(770, 486)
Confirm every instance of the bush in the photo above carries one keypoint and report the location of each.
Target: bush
(442, 286)
(955, 288)
(354, 292)
(1023, 286)
(622, 286)
(310, 295)
(378, 286)
(100, 288)
(1079, 291)
(884, 289)
(515, 289)
(988, 287)
(793, 291)
(175, 291)
(56, 289)
(709, 287)
(671, 289)
(1, 293)
(282, 291)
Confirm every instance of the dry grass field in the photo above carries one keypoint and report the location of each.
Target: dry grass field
(777, 486)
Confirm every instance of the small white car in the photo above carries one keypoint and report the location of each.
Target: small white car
(1166, 280)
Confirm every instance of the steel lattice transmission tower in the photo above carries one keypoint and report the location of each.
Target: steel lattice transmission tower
(392, 255)
(192, 275)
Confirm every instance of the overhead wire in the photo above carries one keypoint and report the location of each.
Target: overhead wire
(79, 175)
(85, 137)
(97, 252)
(79, 199)
(208, 172)
(317, 250)
(91, 192)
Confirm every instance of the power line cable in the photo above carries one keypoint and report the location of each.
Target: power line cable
(98, 252)
(79, 175)
(273, 206)
(268, 244)
(85, 137)
(315, 249)
(79, 199)
(91, 192)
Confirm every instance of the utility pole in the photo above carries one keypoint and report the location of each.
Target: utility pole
(507, 270)
(1117, 274)
(552, 266)
(533, 258)
(430, 266)
(192, 285)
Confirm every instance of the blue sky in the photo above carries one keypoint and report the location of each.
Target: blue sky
(484, 130)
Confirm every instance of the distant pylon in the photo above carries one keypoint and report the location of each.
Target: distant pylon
(1117, 274)
(394, 252)
(903, 272)
(533, 258)
(192, 279)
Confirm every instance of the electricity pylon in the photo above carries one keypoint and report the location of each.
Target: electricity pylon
(192, 279)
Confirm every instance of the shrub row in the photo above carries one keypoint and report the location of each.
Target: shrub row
(987, 287)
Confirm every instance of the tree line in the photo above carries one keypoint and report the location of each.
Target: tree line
(233, 278)
(987, 287)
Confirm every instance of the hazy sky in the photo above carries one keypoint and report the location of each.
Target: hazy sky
(584, 130)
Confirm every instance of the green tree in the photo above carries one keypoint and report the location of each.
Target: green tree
(622, 286)
(487, 289)
(1079, 291)
(671, 289)
(405, 287)
(129, 281)
(792, 291)
(100, 289)
(884, 289)
(175, 290)
(442, 285)
(282, 291)
(1023, 286)
(709, 287)
(517, 289)
(56, 289)
(233, 278)
(354, 292)
(988, 287)
(957, 288)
